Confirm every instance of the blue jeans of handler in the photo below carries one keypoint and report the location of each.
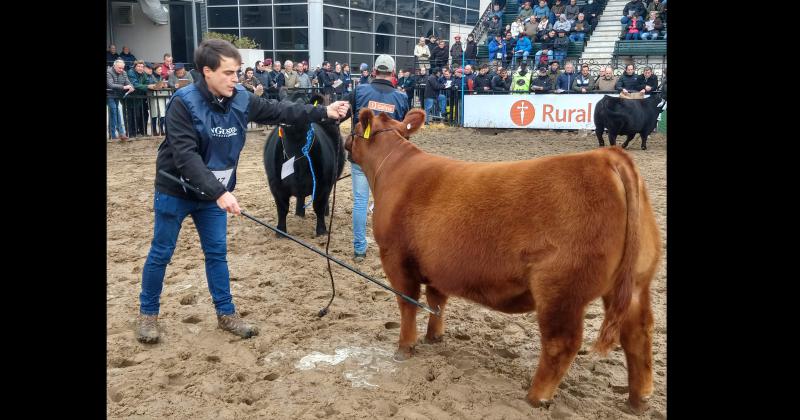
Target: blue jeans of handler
(115, 124)
(360, 202)
(211, 222)
(429, 105)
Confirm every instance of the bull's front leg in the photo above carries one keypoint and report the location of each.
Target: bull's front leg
(436, 300)
(319, 209)
(282, 203)
(408, 285)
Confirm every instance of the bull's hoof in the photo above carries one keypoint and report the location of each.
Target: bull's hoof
(403, 354)
(602, 144)
(433, 339)
(625, 145)
(639, 405)
(300, 215)
(541, 403)
(322, 233)
(278, 235)
(644, 147)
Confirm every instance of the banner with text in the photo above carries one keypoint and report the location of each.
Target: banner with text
(558, 112)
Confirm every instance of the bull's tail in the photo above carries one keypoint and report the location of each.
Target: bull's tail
(620, 294)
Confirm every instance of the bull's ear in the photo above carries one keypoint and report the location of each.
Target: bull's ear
(413, 121)
(318, 99)
(365, 117)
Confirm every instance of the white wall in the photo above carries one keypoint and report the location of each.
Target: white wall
(146, 40)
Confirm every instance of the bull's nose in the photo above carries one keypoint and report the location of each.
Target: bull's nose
(348, 143)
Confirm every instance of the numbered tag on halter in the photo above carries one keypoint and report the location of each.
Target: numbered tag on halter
(366, 132)
(287, 168)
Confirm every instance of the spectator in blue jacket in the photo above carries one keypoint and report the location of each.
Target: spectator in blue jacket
(497, 49)
(564, 80)
(522, 49)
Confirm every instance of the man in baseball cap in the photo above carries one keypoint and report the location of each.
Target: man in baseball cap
(379, 95)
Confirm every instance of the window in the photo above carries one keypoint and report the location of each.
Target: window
(405, 63)
(243, 2)
(385, 6)
(220, 2)
(357, 59)
(405, 46)
(334, 58)
(361, 42)
(424, 28)
(223, 17)
(384, 24)
(361, 21)
(262, 36)
(384, 44)
(362, 4)
(270, 55)
(442, 13)
(472, 17)
(335, 17)
(405, 26)
(442, 31)
(256, 16)
(225, 31)
(459, 3)
(474, 4)
(338, 2)
(295, 56)
(291, 15)
(424, 10)
(405, 8)
(336, 40)
(291, 39)
(457, 16)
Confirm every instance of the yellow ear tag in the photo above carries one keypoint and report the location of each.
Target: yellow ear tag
(280, 132)
(366, 132)
(315, 103)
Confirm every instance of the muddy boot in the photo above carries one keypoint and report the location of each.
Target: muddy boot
(235, 324)
(148, 329)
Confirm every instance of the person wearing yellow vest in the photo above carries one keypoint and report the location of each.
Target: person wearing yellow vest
(521, 81)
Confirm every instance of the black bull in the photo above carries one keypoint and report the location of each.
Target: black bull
(626, 117)
(327, 159)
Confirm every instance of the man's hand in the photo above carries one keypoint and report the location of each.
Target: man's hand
(259, 90)
(228, 203)
(129, 88)
(338, 109)
(625, 91)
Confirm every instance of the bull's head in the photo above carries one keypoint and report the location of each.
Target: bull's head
(375, 133)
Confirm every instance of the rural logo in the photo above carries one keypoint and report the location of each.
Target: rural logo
(522, 113)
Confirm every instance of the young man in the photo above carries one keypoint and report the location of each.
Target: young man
(206, 126)
(380, 96)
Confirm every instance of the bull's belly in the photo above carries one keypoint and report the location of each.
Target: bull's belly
(509, 296)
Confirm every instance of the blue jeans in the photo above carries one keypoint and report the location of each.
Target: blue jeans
(360, 201)
(652, 35)
(632, 36)
(442, 104)
(114, 118)
(560, 56)
(429, 103)
(523, 54)
(577, 37)
(211, 222)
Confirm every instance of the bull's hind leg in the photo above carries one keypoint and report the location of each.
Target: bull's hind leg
(299, 208)
(436, 299)
(598, 130)
(636, 334)
(612, 137)
(407, 283)
(628, 140)
(644, 139)
(319, 209)
(561, 325)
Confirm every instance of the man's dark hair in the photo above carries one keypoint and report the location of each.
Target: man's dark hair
(249, 69)
(208, 53)
(483, 66)
(257, 63)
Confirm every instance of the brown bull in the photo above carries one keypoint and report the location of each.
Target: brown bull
(550, 234)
